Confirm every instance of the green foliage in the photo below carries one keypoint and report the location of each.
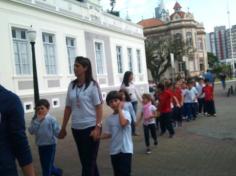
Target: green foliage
(213, 60)
(217, 67)
(158, 52)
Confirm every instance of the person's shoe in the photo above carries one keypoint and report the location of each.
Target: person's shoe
(171, 135)
(155, 143)
(162, 134)
(148, 151)
(135, 134)
(214, 115)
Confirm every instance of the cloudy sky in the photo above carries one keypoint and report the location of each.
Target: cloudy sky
(210, 12)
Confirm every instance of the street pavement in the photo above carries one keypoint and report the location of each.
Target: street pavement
(204, 147)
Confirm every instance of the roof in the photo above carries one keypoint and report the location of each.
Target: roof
(151, 22)
(180, 13)
(177, 6)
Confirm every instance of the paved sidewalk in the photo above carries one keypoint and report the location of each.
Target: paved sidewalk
(205, 147)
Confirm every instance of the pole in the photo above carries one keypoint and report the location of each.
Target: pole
(35, 77)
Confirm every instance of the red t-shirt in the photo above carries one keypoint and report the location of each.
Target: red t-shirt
(208, 90)
(165, 99)
(178, 94)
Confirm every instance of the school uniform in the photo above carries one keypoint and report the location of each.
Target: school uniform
(164, 106)
(209, 100)
(46, 132)
(149, 124)
(121, 144)
(83, 102)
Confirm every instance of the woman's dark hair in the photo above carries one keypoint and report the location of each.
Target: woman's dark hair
(85, 62)
(42, 102)
(161, 87)
(113, 95)
(126, 78)
(127, 97)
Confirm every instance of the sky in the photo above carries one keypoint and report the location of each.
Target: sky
(209, 12)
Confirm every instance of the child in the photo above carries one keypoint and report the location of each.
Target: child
(118, 128)
(209, 98)
(148, 115)
(46, 128)
(177, 109)
(129, 107)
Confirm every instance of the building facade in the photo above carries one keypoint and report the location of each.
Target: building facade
(65, 29)
(183, 25)
(222, 43)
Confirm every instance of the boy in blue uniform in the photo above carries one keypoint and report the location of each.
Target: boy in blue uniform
(46, 128)
(118, 128)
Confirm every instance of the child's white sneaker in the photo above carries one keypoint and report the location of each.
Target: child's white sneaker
(148, 151)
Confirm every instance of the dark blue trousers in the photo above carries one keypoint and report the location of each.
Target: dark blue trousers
(47, 155)
(165, 123)
(88, 149)
(121, 164)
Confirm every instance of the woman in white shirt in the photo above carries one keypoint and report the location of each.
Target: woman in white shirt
(84, 105)
(127, 84)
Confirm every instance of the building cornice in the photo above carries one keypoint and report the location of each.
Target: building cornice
(119, 25)
(173, 25)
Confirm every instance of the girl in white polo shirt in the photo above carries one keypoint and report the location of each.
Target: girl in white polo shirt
(84, 104)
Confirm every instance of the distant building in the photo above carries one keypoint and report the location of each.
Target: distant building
(220, 41)
(66, 29)
(183, 25)
(211, 44)
(221, 44)
(160, 12)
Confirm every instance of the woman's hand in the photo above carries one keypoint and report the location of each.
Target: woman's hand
(62, 134)
(96, 133)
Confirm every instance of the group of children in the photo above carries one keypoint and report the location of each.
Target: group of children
(171, 104)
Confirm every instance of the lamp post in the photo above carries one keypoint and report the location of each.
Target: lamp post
(32, 37)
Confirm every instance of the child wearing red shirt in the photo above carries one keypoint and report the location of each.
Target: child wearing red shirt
(209, 98)
(177, 116)
(164, 107)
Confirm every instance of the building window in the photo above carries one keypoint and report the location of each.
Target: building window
(49, 53)
(189, 40)
(130, 59)
(178, 37)
(71, 51)
(99, 57)
(55, 103)
(21, 51)
(119, 59)
(139, 61)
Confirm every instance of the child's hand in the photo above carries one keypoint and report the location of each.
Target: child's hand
(121, 105)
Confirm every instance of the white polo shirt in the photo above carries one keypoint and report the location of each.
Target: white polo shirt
(121, 139)
(83, 104)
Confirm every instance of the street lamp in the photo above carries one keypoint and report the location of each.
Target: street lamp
(32, 37)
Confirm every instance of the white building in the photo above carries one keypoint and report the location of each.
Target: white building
(65, 29)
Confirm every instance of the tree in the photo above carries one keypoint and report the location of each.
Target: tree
(213, 60)
(158, 52)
